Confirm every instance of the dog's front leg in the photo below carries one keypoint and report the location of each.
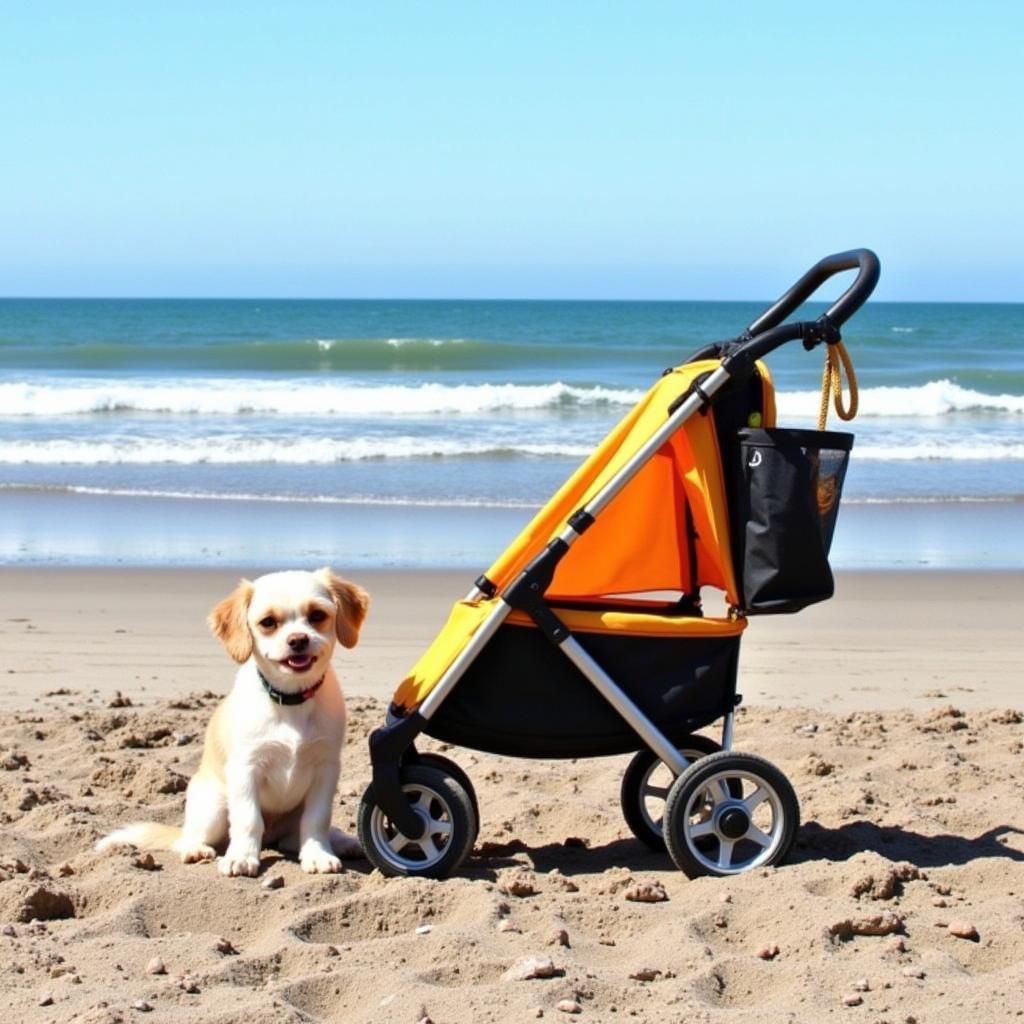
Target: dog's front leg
(245, 821)
(315, 824)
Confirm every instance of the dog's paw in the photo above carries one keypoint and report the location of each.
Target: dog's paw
(318, 861)
(239, 864)
(345, 846)
(194, 853)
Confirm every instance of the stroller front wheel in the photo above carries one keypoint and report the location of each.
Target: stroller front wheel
(729, 813)
(446, 764)
(645, 785)
(447, 812)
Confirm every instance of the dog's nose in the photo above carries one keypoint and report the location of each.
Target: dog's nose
(298, 642)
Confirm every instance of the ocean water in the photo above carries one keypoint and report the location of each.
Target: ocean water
(448, 422)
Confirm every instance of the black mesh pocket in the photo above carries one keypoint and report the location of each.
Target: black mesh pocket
(789, 490)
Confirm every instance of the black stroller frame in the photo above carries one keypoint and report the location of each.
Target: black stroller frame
(419, 815)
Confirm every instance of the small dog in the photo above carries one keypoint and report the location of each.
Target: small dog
(272, 754)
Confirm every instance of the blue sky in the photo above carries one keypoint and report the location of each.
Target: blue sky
(619, 150)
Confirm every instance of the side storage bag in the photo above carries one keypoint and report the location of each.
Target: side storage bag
(788, 496)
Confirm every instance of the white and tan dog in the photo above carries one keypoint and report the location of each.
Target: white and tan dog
(272, 756)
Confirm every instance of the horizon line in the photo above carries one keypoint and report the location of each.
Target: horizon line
(393, 298)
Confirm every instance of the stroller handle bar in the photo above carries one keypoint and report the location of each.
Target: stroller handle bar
(862, 260)
(769, 331)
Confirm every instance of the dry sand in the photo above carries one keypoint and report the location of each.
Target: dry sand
(895, 715)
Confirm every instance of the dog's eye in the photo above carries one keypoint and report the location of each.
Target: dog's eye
(317, 616)
(268, 623)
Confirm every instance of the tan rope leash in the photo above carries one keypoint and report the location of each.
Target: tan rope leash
(837, 360)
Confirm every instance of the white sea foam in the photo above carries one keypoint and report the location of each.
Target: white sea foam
(942, 451)
(311, 397)
(295, 397)
(286, 499)
(239, 449)
(372, 501)
(936, 398)
(432, 342)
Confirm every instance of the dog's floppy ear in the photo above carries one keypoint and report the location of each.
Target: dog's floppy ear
(352, 602)
(228, 621)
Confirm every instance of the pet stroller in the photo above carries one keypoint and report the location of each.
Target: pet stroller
(586, 637)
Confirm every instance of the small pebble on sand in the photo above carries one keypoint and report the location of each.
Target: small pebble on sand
(645, 974)
(156, 966)
(273, 882)
(768, 952)
(913, 972)
(963, 930)
(517, 883)
(530, 967)
(861, 985)
(558, 937)
(142, 1006)
(852, 999)
(568, 1006)
(646, 892)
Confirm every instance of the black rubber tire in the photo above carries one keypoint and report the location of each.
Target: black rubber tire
(695, 780)
(447, 798)
(446, 764)
(631, 793)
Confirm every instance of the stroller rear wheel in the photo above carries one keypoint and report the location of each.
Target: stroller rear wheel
(728, 813)
(447, 812)
(645, 786)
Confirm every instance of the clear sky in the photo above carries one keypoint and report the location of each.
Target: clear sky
(555, 149)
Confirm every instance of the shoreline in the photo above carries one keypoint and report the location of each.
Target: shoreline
(60, 529)
(891, 639)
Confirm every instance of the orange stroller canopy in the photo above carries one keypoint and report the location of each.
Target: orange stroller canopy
(639, 542)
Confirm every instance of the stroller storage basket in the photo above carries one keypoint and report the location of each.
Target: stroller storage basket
(788, 496)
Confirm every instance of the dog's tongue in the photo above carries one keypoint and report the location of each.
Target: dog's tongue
(299, 662)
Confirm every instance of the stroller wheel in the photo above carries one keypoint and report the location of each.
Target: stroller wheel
(645, 786)
(728, 813)
(446, 764)
(446, 809)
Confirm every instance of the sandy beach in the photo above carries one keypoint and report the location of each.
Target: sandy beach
(888, 640)
(896, 716)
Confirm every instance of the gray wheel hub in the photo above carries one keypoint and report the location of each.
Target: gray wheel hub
(727, 840)
(429, 848)
(732, 821)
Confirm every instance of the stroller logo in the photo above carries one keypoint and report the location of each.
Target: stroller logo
(755, 459)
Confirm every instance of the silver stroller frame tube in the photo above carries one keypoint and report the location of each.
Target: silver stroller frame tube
(605, 685)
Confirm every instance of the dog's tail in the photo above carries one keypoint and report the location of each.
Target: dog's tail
(146, 835)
